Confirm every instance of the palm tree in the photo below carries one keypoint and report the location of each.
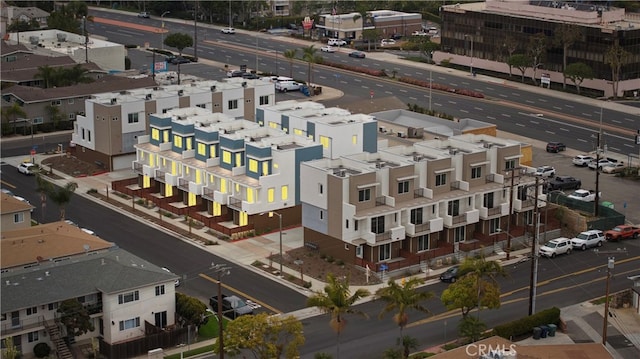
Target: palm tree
(616, 57)
(43, 187)
(47, 74)
(290, 55)
(309, 55)
(399, 298)
(12, 113)
(62, 196)
(78, 74)
(337, 301)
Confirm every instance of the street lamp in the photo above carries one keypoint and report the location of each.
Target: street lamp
(221, 270)
(162, 26)
(280, 224)
(471, 66)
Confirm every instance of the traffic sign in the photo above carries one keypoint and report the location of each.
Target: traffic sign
(33, 152)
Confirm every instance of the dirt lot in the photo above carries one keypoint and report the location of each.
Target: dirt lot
(71, 166)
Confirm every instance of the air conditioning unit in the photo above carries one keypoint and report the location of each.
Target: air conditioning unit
(147, 96)
(213, 88)
(180, 92)
(114, 101)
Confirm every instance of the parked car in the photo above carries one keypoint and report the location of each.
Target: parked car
(387, 42)
(285, 86)
(555, 247)
(235, 73)
(556, 147)
(584, 240)
(143, 14)
(622, 232)
(328, 49)
(250, 76)
(614, 168)
(228, 30)
(603, 162)
(26, 168)
(357, 54)
(232, 306)
(582, 160)
(179, 60)
(336, 42)
(584, 195)
(564, 182)
(450, 275)
(419, 33)
(545, 171)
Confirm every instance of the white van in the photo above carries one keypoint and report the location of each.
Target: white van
(275, 79)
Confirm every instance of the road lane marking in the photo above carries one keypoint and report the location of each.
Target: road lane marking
(628, 119)
(503, 95)
(478, 109)
(519, 124)
(452, 102)
(581, 140)
(413, 98)
(8, 184)
(570, 106)
(118, 33)
(557, 108)
(628, 145)
(491, 117)
(535, 122)
(586, 114)
(529, 101)
(542, 100)
(213, 280)
(564, 129)
(465, 111)
(515, 94)
(506, 115)
(403, 90)
(614, 148)
(616, 121)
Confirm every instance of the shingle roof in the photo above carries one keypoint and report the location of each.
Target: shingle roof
(7, 48)
(26, 66)
(10, 204)
(105, 84)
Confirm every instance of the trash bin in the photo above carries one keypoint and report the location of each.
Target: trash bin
(305, 90)
(536, 333)
(552, 330)
(544, 331)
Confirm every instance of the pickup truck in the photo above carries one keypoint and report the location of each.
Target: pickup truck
(232, 306)
(584, 195)
(622, 232)
(564, 182)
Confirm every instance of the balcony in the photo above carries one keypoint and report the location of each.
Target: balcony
(183, 184)
(499, 210)
(14, 327)
(523, 205)
(235, 203)
(161, 175)
(207, 193)
(468, 217)
(430, 226)
(381, 201)
(137, 167)
(423, 192)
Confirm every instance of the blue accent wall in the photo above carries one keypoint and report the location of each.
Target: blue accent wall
(284, 123)
(311, 129)
(370, 134)
(313, 152)
(161, 123)
(207, 138)
(260, 116)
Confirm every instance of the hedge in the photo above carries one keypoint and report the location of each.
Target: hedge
(525, 325)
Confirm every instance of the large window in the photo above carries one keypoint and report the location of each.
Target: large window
(384, 253)
(364, 194)
(423, 242)
(159, 289)
(494, 225)
(18, 217)
(416, 216)
(476, 172)
(133, 118)
(33, 337)
(403, 187)
(264, 100)
(377, 225)
(233, 104)
(129, 323)
(458, 234)
(453, 207)
(509, 164)
(488, 200)
(128, 297)
(441, 179)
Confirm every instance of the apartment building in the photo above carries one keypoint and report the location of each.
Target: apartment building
(45, 265)
(109, 127)
(407, 204)
(15, 213)
(483, 35)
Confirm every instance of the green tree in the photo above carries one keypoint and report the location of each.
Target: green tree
(427, 48)
(520, 62)
(48, 75)
(61, 196)
(615, 57)
(337, 301)
(191, 311)
(76, 75)
(309, 55)
(67, 17)
(10, 351)
(537, 51)
(75, 317)
(510, 45)
(565, 36)
(471, 328)
(267, 337)
(290, 55)
(21, 25)
(462, 294)
(406, 343)
(371, 36)
(179, 40)
(402, 297)
(12, 113)
(577, 72)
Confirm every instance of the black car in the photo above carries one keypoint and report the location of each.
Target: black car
(357, 54)
(451, 275)
(250, 76)
(564, 182)
(179, 60)
(556, 147)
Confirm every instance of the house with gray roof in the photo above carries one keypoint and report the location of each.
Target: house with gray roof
(11, 14)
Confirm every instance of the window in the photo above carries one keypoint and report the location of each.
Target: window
(364, 194)
(32, 310)
(494, 225)
(416, 216)
(488, 200)
(320, 189)
(37, 120)
(384, 253)
(346, 224)
(321, 215)
(403, 187)
(18, 218)
(33, 337)
(159, 290)
(453, 207)
(359, 251)
(202, 105)
(264, 100)
(423, 242)
(233, 104)
(528, 217)
(377, 225)
(509, 164)
(441, 179)
(458, 234)
(56, 103)
(155, 134)
(133, 117)
(253, 165)
(354, 139)
(72, 116)
(53, 306)
(177, 141)
(226, 157)
(129, 323)
(271, 194)
(128, 297)
(355, 225)
(476, 172)
(285, 192)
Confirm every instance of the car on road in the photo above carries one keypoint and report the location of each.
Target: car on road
(336, 42)
(622, 232)
(545, 171)
(179, 60)
(177, 282)
(450, 275)
(328, 49)
(614, 168)
(143, 14)
(556, 147)
(357, 54)
(582, 160)
(588, 239)
(228, 30)
(419, 33)
(250, 76)
(555, 247)
(584, 195)
(387, 42)
(232, 306)
(235, 73)
(564, 182)
(26, 168)
(285, 86)
(603, 162)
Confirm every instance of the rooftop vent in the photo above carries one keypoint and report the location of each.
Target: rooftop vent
(213, 88)
(114, 101)
(61, 37)
(180, 92)
(147, 96)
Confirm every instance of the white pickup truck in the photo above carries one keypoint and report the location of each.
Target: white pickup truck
(284, 86)
(584, 195)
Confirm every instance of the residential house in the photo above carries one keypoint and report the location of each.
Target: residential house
(11, 14)
(111, 123)
(484, 34)
(15, 213)
(45, 265)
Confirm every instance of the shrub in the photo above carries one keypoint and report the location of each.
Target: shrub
(323, 256)
(340, 262)
(41, 350)
(92, 190)
(307, 284)
(525, 325)
(330, 259)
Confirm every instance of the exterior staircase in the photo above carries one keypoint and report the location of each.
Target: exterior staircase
(61, 348)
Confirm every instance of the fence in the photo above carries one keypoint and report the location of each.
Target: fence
(607, 217)
(140, 346)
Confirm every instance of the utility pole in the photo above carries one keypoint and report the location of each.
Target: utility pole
(86, 39)
(534, 255)
(195, 32)
(513, 175)
(610, 264)
(597, 200)
(220, 270)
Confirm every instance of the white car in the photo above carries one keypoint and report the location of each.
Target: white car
(603, 162)
(177, 282)
(584, 195)
(228, 30)
(555, 247)
(545, 171)
(336, 42)
(327, 49)
(387, 42)
(26, 168)
(614, 168)
(584, 240)
(419, 33)
(582, 160)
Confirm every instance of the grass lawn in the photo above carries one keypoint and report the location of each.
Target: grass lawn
(206, 332)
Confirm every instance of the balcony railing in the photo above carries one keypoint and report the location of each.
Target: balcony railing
(235, 203)
(459, 219)
(490, 178)
(455, 185)
(422, 227)
(137, 167)
(384, 236)
(422, 192)
(207, 193)
(495, 210)
(380, 201)
(183, 184)
(160, 175)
